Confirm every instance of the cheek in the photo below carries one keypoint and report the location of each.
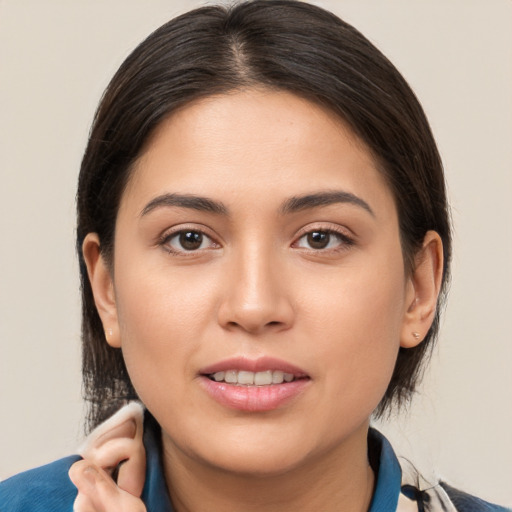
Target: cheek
(355, 318)
(156, 297)
(162, 314)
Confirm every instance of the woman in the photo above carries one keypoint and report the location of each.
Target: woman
(264, 243)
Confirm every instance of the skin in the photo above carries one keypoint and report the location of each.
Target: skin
(255, 287)
(107, 447)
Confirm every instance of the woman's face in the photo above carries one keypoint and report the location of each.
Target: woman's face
(257, 236)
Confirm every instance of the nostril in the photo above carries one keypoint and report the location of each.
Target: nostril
(254, 327)
(255, 316)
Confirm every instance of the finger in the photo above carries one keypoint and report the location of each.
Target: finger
(83, 504)
(132, 472)
(117, 444)
(129, 455)
(110, 454)
(126, 429)
(97, 492)
(124, 423)
(81, 474)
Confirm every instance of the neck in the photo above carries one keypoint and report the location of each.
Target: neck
(340, 479)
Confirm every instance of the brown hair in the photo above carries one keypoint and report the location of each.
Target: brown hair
(280, 44)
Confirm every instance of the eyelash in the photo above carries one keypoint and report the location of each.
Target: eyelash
(344, 241)
(166, 238)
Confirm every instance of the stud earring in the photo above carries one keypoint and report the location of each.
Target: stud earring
(416, 335)
(108, 332)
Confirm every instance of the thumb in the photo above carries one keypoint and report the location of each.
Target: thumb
(97, 492)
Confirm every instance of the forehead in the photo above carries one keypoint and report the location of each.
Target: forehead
(256, 143)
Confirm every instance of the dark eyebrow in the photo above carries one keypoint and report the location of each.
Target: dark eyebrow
(202, 204)
(299, 203)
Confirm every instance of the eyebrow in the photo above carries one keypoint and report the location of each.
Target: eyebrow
(299, 203)
(202, 204)
(292, 205)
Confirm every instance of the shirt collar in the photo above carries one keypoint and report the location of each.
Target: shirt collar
(387, 473)
(155, 495)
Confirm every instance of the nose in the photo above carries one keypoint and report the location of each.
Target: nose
(255, 297)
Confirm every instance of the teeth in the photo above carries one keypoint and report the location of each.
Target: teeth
(231, 377)
(277, 377)
(245, 378)
(262, 378)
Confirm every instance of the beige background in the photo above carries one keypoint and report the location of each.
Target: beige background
(56, 56)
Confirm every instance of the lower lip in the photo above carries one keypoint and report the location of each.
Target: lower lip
(254, 398)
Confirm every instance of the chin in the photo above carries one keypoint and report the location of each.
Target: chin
(261, 464)
(255, 451)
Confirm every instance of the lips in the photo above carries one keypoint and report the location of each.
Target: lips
(257, 385)
(253, 365)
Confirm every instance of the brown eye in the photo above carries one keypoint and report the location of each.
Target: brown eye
(318, 239)
(187, 241)
(327, 239)
(190, 240)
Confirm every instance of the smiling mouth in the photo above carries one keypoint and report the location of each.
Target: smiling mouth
(258, 385)
(247, 378)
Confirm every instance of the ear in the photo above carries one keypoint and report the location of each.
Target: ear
(102, 288)
(422, 291)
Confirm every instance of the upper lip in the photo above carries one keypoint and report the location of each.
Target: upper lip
(260, 364)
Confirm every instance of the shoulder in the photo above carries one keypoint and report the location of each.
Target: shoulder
(41, 489)
(465, 502)
(444, 497)
(419, 493)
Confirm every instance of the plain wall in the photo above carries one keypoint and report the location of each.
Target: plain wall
(56, 57)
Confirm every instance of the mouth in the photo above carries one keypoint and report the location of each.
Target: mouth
(248, 378)
(258, 385)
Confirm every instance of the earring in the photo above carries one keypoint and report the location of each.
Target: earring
(108, 332)
(416, 335)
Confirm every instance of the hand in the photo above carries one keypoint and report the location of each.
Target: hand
(113, 452)
(97, 492)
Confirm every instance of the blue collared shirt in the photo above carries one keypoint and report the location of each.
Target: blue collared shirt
(48, 488)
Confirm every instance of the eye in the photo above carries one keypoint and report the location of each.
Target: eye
(187, 240)
(323, 239)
